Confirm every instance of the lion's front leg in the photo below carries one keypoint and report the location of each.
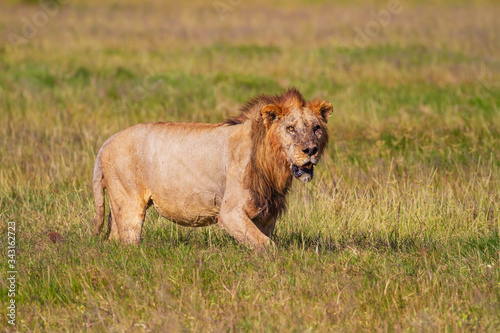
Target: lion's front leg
(236, 222)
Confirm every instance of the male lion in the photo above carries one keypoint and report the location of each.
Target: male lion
(237, 172)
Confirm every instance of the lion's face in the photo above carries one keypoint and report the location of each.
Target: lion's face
(302, 134)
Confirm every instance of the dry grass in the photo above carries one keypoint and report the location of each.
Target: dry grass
(398, 231)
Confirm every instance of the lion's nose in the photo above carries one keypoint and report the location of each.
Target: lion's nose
(311, 151)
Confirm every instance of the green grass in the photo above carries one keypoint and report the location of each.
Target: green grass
(399, 230)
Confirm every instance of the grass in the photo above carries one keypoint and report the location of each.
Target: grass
(399, 230)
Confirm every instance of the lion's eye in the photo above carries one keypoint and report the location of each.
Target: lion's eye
(291, 129)
(317, 130)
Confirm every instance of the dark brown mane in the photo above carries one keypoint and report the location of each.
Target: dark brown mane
(268, 174)
(251, 109)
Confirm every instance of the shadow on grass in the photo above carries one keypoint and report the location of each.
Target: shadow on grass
(358, 240)
(488, 242)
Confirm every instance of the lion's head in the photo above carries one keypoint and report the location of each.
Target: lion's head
(288, 138)
(299, 130)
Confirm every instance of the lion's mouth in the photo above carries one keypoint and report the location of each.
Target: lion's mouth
(303, 173)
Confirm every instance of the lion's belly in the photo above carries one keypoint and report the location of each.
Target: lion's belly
(194, 209)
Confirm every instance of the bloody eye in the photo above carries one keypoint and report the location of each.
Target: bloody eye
(317, 130)
(291, 129)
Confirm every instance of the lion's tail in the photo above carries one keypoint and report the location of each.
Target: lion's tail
(98, 187)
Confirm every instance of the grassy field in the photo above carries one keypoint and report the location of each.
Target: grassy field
(399, 230)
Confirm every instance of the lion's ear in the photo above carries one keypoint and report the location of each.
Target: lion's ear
(270, 113)
(323, 108)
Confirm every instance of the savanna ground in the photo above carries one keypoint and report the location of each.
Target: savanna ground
(399, 230)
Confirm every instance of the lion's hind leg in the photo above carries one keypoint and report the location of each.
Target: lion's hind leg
(127, 216)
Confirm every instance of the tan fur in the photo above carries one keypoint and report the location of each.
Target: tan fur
(236, 173)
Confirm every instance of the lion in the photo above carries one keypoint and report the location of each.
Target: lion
(236, 173)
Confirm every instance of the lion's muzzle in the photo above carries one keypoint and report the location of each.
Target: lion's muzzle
(304, 173)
